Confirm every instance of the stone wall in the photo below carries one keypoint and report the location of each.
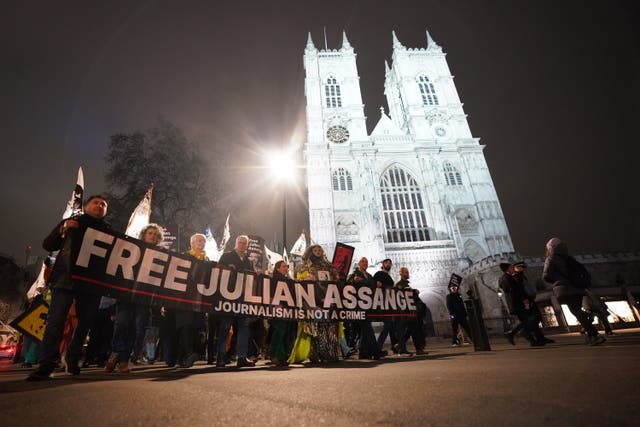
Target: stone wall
(612, 274)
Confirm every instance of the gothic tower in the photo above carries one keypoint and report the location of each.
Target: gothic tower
(335, 124)
(424, 103)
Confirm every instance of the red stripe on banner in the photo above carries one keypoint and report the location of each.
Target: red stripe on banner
(135, 291)
(391, 315)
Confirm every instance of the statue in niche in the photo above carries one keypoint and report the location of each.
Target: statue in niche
(474, 251)
(466, 221)
(347, 228)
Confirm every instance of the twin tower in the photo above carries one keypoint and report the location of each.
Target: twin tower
(417, 189)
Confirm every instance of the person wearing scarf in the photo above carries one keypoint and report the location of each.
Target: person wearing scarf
(316, 340)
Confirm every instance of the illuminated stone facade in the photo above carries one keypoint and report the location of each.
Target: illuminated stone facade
(417, 189)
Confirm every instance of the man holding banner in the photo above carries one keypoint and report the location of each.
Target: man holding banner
(383, 280)
(67, 238)
(239, 261)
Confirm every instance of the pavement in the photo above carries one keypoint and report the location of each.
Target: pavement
(562, 384)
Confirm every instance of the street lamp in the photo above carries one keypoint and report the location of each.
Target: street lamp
(282, 167)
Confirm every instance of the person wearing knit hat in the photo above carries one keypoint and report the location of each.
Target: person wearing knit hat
(569, 279)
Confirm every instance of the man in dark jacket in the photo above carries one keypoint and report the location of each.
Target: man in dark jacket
(415, 326)
(400, 322)
(457, 313)
(382, 279)
(188, 323)
(521, 304)
(67, 238)
(369, 348)
(236, 259)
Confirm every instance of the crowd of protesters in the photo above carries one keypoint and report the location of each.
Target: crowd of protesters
(121, 332)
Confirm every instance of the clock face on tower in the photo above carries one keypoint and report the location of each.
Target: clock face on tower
(338, 134)
(440, 131)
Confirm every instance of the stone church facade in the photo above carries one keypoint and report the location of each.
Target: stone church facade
(417, 189)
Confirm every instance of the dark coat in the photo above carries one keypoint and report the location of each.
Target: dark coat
(556, 272)
(514, 292)
(421, 307)
(402, 284)
(364, 278)
(69, 247)
(232, 258)
(277, 276)
(383, 277)
(455, 305)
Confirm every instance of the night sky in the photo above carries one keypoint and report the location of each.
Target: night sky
(550, 87)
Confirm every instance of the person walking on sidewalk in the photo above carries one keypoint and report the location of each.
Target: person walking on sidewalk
(570, 280)
(458, 314)
(521, 304)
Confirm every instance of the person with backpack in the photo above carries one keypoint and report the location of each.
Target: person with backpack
(570, 280)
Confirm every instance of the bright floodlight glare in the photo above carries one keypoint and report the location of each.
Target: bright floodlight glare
(281, 166)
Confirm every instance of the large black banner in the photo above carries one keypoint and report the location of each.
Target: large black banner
(127, 269)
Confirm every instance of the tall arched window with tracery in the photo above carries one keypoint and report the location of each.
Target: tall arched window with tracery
(341, 180)
(427, 91)
(402, 207)
(332, 95)
(451, 174)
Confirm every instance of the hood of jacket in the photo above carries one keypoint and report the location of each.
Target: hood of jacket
(555, 246)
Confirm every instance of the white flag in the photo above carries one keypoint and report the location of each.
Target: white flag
(225, 235)
(38, 285)
(140, 216)
(272, 258)
(300, 245)
(74, 205)
(211, 247)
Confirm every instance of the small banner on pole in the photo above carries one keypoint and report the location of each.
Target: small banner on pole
(342, 257)
(455, 280)
(33, 321)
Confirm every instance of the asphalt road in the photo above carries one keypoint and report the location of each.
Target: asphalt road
(562, 384)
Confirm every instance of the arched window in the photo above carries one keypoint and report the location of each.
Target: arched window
(342, 180)
(332, 93)
(427, 91)
(451, 174)
(402, 207)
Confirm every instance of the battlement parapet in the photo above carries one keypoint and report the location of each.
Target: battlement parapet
(537, 261)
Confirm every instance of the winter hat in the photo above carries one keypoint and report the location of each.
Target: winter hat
(552, 243)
